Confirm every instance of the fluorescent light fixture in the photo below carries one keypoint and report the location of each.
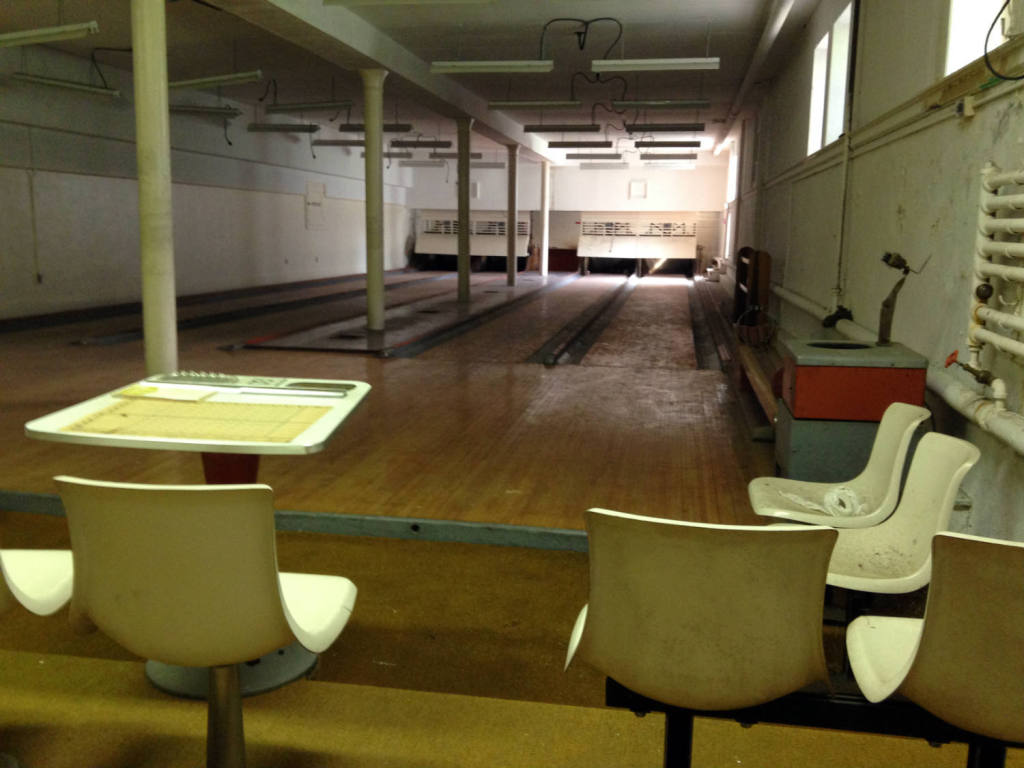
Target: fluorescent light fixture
(69, 84)
(388, 127)
(487, 164)
(339, 143)
(421, 143)
(579, 144)
(661, 104)
(665, 144)
(668, 156)
(664, 127)
(422, 163)
(453, 155)
(603, 166)
(284, 127)
(652, 65)
(234, 78)
(562, 128)
(48, 34)
(394, 155)
(204, 109)
(312, 106)
(533, 104)
(405, 2)
(491, 67)
(671, 164)
(593, 156)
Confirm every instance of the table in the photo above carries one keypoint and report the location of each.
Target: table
(231, 421)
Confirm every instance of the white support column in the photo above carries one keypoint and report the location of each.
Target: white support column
(512, 215)
(463, 124)
(373, 117)
(545, 215)
(153, 153)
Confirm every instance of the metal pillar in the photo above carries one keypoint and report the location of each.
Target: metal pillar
(513, 214)
(153, 153)
(373, 117)
(463, 124)
(545, 215)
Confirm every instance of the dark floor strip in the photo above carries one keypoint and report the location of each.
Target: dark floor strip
(367, 525)
(549, 352)
(576, 348)
(200, 321)
(419, 346)
(703, 342)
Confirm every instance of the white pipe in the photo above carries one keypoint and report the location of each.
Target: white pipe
(988, 269)
(1006, 425)
(153, 152)
(1000, 342)
(1001, 318)
(800, 302)
(991, 203)
(996, 179)
(999, 248)
(1001, 226)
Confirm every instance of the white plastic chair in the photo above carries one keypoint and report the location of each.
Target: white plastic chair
(701, 616)
(38, 579)
(877, 487)
(187, 575)
(964, 662)
(894, 556)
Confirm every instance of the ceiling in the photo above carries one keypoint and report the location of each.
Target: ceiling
(312, 50)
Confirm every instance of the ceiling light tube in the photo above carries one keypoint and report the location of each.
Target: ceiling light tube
(284, 127)
(579, 144)
(48, 34)
(204, 109)
(509, 66)
(661, 104)
(453, 155)
(393, 155)
(652, 65)
(533, 104)
(312, 106)
(422, 163)
(405, 2)
(69, 84)
(668, 156)
(235, 78)
(487, 164)
(603, 166)
(387, 128)
(421, 143)
(562, 128)
(664, 127)
(594, 156)
(339, 143)
(665, 144)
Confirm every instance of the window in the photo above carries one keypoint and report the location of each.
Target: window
(969, 21)
(828, 83)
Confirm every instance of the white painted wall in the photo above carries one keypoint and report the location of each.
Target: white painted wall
(702, 189)
(911, 187)
(435, 188)
(69, 233)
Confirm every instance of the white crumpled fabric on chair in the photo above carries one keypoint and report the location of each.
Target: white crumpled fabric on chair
(840, 501)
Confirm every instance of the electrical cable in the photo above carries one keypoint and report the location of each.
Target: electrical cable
(988, 61)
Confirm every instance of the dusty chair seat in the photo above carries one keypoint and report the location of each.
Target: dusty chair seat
(876, 489)
(38, 579)
(894, 557)
(704, 616)
(187, 575)
(964, 662)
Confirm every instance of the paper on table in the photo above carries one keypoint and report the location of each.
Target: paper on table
(191, 395)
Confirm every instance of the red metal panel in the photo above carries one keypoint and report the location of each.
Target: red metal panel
(849, 393)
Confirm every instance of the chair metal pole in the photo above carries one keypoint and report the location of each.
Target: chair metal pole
(225, 740)
(678, 739)
(986, 753)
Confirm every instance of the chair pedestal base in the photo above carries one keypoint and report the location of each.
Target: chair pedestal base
(265, 674)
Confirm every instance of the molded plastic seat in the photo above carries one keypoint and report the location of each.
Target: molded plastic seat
(964, 661)
(895, 555)
(877, 488)
(704, 616)
(187, 575)
(39, 579)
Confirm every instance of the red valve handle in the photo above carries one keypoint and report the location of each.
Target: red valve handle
(953, 358)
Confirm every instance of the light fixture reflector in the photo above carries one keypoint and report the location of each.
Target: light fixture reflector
(593, 156)
(421, 143)
(661, 103)
(652, 65)
(666, 144)
(664, 127)
(421, 163)
(668, 155)
(453, 155)
(487, 164)
(312, 106)
(509, 66)
(69, 84)
(388, 127)
(603, 166)
(283, 127)
(214, 81)
(562, 128)
(204, 109)
(579, 144)
(48, 34)
(393, 155)
(534, 104)
(339, 143)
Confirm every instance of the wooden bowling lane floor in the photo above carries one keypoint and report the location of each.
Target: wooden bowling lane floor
(458, 439)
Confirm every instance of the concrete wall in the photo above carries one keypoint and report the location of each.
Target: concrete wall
(909, 184)
(69, 231)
